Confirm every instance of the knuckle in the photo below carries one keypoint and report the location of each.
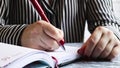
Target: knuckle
(100, 48)
(92, 41)
(55, 33)
(99, 28)
(109, 33)
(39, 22)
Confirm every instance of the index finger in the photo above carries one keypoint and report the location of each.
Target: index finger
(52, 31)
(92, 42)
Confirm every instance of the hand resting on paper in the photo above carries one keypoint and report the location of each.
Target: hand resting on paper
(41, 35)
(102, 44)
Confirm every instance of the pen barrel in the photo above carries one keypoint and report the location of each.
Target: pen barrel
(39, 9)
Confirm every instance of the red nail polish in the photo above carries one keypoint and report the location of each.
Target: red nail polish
(80, 51)
(62, 42)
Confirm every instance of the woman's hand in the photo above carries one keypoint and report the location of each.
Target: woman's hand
(41, 35)
(101, 44)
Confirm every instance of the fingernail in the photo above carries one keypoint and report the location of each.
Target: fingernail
(62, 42)
(80, 51)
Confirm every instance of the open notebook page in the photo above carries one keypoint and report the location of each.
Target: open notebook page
(68, 55)
(16, 56)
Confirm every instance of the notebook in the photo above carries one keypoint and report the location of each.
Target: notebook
(13, 56)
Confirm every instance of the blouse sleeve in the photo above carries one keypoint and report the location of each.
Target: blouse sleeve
(9, 33)
(100, 13)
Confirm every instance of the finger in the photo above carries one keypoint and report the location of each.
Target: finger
(100, 45)
(39, 44)
(81, 50)
(52, 31)
(107, 50)
(50, 43)
(114, 53)
(92, 41)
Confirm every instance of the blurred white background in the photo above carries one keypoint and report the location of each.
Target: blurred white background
(116, 7)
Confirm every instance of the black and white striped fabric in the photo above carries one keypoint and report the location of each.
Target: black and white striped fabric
(71, 15)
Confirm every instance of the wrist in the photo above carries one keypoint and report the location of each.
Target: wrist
(20, 38)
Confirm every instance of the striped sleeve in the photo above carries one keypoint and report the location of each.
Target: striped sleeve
(8, 33)
(100, 13)
(11, 34)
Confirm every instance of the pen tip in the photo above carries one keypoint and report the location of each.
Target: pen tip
(63, 48)
(61, 42)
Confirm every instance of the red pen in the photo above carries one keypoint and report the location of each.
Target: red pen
(39, 9)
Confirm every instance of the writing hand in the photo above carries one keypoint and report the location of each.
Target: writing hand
(41, 35)
(101, 44)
